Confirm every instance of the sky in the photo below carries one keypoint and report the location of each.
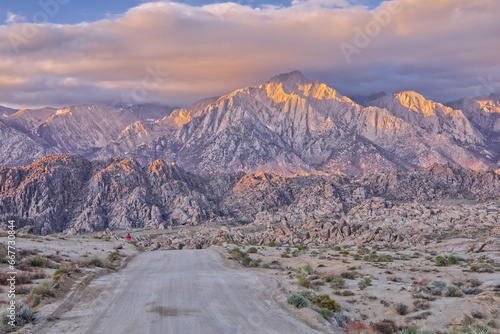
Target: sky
(64, 52)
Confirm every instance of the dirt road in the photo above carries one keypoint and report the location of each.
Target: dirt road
(188, 291)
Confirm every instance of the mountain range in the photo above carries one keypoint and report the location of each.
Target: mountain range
(69, 193)
(288, 125)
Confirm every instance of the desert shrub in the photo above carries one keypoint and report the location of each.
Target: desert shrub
(328, 277)
(338, 283)
(96, 261)
(297, 300)
(492, 324)
(23, 277)
(252, 250)
(247, 261)
(436, 291)
(371, 258)
(325, 313)
(33, 300)
(348, 275)
(237, 253)
(265, 265)
(43, 289)
(453, 291)
(114, 257)
(441, 261)
(421, 304)
(271, 244)
(327, 302)
(36, 261)
(474, 267)
(355, 327)
(242, 257)
(414, 331)
(337, 248)
(23, 315)
(284, 255)
(23, 289)
(303, 280)
(26, 252)
(308, 269)
(385, 258)
(384, 327)
(384, 302)
(473, 291)
(362, 285)
(57, 275)
(302, 248)
(38, 274)
(438, 284)
(423, 315)
(344, 293)
(477, 315)
(310, 296)
(368, 279)
(475, 328)
(416, 255)
(452, 259)
(474, 282)
(401, 308)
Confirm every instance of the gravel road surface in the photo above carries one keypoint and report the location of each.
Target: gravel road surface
(185, 291)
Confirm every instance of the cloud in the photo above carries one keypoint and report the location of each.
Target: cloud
(14, 18)
(167, 52)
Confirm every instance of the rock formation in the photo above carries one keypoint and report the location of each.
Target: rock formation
(72, 194)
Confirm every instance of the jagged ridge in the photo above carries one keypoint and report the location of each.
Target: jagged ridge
(72, 194)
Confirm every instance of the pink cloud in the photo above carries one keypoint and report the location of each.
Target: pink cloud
(217, 48)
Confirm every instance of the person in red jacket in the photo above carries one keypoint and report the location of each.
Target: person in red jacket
(129, 237)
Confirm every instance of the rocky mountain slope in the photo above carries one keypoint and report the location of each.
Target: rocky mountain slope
(29, 134)
(287, 125)
(69, 193)
(292, 124)
(484, 113)
(6, 112)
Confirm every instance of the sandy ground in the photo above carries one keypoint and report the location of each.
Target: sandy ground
(393, 282)
(69, 251)
(188, 291)
(200, 291)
